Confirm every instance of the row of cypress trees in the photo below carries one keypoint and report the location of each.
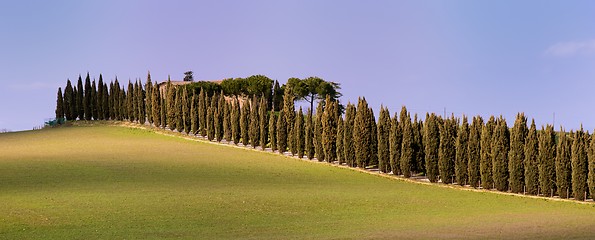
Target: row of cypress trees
(490, 155)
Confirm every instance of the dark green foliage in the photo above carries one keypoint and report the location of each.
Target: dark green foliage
(105, 102)
(532, 161)
(474, 151)
(87, 100)
(186, 119)
(313, 88)
(348, 144)
(219, 115)
(340, 143)
(156, 107)
(547, 156)
(383, 140)
(59, 105)
(123, 114)
(407, 145)
(395, 141)
(485, 165)
(299, 131)
(163, 112)
(202, 112)
(318, 146)
(500, 147)
(210, 88)
(329, 130)
(69, 102)
(309, 135)
(432, 144)
(226, 121)
(255, 85)
(171, 106)
(142, 116)
(277, 99)
(263, 120)
(210, 122)
(362, 134)
(591, 167)
(289, 112)
(462, 154)
(373, 146)
(149, 99)
(236, 132)
(516, 156)
(193, 115)
(418, 146)
(273, 131)
(99, 107)
(579, 165)
(563, 165)
(245, 122)
(93, 103)
(130, 103)
(282, 132)
(447, 150)
(254, 127)
(179, 112)
(80, 110)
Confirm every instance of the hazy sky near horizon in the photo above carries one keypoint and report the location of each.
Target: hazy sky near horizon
(468, 57)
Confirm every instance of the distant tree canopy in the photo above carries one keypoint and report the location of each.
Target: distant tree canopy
(314, 88)
(256, 85)
(188, 76)
(210, 88)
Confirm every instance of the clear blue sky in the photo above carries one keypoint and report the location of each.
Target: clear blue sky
(470, 57)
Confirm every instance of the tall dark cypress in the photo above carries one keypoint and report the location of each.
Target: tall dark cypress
(123, 107)
(263, 120)
(500, 147)
(156, 107)
(432, 144)
(407, 145)
(210, 124)
(383, 140)
(329, 131)
(149, 99)
(485, 165)
(419, 164)
(362, 134)
(93, 103)
(516, 156)
(87, 99)
(474, 151)
(447, 150)
(202, 112)
(532, 161)
(282, 132)
(142, 115)
(245, 122)
(277, 97)
(309, 135)
(591, 166)
(318, 146)
(226, 121)
(348, 144)
(186, 120)
(163, 112)
(219, 115)
(105, 102)
(462, 154)
(299, 133)
(99, 99)
(289, 112)
(273, 131)
(254, 127)
(373, 146)
(235, 122)
(80, 109)
(579, 166)
(59, 106)
(340, 143)
(563, 165)
(69, 102)
(130, 102)
(194, 115)
(395, 141)
(547, 156)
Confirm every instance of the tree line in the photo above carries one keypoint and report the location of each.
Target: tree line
(488, 155)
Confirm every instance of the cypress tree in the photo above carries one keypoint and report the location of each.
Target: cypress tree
(76, 99)
(79, 99)
(178, 110)
(299, 133)
(245, 122)
(348, 144)
(59, 106)
(362, 134)
(226, 121)
(474, 151)
(202, 112)
(407, 151)
(447, 150)
(462, 154)
(219, 114)
(105, 102)
(591, 167)
(210, 122)
(418, 146)
(193, 115)
(500, 147)
(163, 112)
(563, 165)
(263, 120)
(87, 99)
(579, 166)
(383, 140)
(254, 127)
(130, 102)
(318, 145)
(485, 165)
(69, 102)
(123, 107)
(282, 132)
(93, 103)
(149, 100)
(516, 156)
(373, 147)
(277, 97)
(235, 122)
(309, 135)
(289, 112)
(273, 131)
(142, 116)
(99, 99)
(547, 156)
(329, 131)
(432, 144)
(395, 141)
(339, 137)
(532, 161)
(156, 107)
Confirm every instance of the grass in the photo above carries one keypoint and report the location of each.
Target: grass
(110, 182)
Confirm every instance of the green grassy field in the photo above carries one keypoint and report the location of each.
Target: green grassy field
(109, 182)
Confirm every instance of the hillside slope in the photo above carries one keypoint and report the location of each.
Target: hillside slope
(106, 182)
